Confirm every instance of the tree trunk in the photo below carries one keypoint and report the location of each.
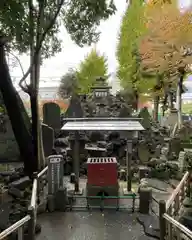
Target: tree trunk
(14, 111)
(41, 157)
(164, 104)
(179, 101)
(36, 124)
(158, 86)
(24, 112)
(136, 100)
(35, 74)
(156, 108)
(170, 101)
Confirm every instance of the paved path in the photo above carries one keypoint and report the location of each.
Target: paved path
(111, 225)
(90, 226)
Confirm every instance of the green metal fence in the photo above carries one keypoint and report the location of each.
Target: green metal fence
(101, 203)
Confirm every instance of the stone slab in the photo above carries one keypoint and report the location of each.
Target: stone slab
(21, 183)
(51, 203)
(95, 225)
(158, 184)
(126, 193)
(150, 225)
(61, 199)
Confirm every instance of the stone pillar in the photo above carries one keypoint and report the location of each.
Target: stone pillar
(122, 174)
(61, 199)
(51, 203)
(128, 164)
(75, 147)
(72, 178)
(145, 194)
(82, 143)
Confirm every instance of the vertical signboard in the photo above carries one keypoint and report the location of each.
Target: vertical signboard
(55, 173)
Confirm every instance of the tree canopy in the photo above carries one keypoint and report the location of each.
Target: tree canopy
(133, 80)
(82, 79)
(132, 28)
(166, 47)
(68, 85)
(32, 26)
(154, 46)
(93, 66)
(80, 18)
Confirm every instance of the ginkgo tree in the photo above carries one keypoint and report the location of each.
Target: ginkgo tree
(132, 27)
(165, 49)
(94, 65)
(134, 81)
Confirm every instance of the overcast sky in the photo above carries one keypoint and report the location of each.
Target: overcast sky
(71, 54)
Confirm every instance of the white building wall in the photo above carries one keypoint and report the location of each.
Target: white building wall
(187, 97)
(45, 93)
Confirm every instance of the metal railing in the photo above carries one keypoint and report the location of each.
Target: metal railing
(169, 213)
(101, 202)
(30, 218)
(174, 203)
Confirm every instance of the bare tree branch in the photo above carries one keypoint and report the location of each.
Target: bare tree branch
(19, 62)
(24, 88)
(39, 45)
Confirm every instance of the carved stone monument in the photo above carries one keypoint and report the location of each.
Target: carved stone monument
(181, 160)
(74, 110)
(48, 139)
(51, 115)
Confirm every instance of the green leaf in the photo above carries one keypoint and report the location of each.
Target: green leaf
(132, 28)
(80, 18)
(68, 85)
(94, 65)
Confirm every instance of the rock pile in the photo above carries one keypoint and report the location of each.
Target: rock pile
(15, 195)
(163, 169)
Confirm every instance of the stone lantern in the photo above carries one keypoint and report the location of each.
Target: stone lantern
(101, 89)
